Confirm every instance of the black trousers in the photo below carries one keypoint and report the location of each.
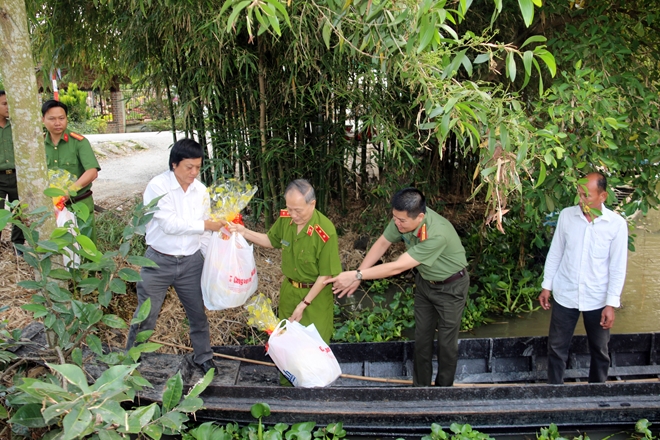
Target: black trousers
(9, 188)
(438, 306)
(562, 326)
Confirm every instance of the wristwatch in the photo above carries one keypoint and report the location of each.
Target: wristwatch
(358, 274)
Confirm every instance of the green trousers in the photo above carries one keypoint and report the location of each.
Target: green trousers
(9, 189)
(320, 312)
(437, 307)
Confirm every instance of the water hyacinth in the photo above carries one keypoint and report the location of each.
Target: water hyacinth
(260, 314)
(229, 197)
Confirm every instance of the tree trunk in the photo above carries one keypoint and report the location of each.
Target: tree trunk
(17, 69)
(269, 198)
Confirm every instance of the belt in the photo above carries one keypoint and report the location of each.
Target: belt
(80, 197)
(178, 257)
(299, 285)
(12, 171)
(460, 274)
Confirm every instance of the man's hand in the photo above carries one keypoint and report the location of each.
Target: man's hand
(544, 299)
(210, 225)
(236, 227)
(607, 318)
(298, 312)
(344, 284)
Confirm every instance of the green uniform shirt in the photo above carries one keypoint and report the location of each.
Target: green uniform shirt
(6, 148)
(440, 255)
(305, 257)
(75, 156)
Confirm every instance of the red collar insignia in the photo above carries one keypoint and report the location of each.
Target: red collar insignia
(284, 213)
(310, 230)
(65, 137)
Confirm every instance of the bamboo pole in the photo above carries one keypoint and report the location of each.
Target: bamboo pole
(401, 381)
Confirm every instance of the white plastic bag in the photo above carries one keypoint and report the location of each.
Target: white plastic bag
(69, 259)
(229, 277)
(302, 356)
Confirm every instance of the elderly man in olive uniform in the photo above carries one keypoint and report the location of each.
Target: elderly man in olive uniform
(71, 152)
(8, 185)
(442, 281)
(310, 256)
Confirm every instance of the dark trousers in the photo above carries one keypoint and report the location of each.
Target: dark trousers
(562, 326)
(9, 188)
(184, 273)
(438, 306)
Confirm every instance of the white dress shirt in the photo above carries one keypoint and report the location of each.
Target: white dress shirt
(586, 265)
(177, 227)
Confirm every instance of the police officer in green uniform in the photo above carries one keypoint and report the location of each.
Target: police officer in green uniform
(442, 281)
(8, 185)
(71, 152)
(310, 256)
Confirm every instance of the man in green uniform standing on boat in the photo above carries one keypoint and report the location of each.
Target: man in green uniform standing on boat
(441, 280)
(71, 152)
(310, 256)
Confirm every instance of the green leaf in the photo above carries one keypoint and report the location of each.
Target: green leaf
(37, 310)
(29, 416)
(534, 39)
(234, 15)
(481, 58)
(60, 274)
(110, 412)
(527, 10)
(114, 378)
(54, 192)
(140, 261)
(511, 66)
(200, 386)
(143, 312)
(542, 172)
(113, 321)
(76, 356)
(259, 410)
(327, 32)
(129, 275)
(548, 59)
(73, 374)
(94, 344)
(31, 285)
(118, 286)
(190, 405)
(154, 431)
(173, 391)
(528, 57)
(427, 32)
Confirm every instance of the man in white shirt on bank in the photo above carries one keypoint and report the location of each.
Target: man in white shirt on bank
(176, 238)
(585, 270)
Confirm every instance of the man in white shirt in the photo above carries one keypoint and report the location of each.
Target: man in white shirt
(176, 239)
(585, 270)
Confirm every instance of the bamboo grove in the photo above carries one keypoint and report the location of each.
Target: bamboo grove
(364, 96)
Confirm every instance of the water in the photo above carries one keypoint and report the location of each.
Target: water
(640, 299)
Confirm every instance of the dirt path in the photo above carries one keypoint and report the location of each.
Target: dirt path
(128, 161)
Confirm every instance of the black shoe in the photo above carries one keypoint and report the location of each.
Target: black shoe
(207, 365)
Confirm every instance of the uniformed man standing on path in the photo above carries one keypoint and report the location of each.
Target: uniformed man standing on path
(441, 280)
(71, 152)
(310, 255)
(8, 185)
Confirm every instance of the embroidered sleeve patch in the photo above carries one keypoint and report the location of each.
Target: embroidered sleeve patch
(319, 230)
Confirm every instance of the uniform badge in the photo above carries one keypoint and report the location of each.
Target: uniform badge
(65, 137)
(310, 230)
(284, 242)
(77, 136)
(319, 230)
(421, 234)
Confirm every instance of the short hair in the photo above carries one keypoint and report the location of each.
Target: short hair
(51, 103)
(2, 93)
(601, 183)
(409, 200)
(303, 187)
(185, 149)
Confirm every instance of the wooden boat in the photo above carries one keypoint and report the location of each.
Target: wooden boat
(499, 388)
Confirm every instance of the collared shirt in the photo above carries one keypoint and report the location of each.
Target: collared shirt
(586, 266)
(6, 148)
(310, 253)
(177, 227)
(75, 156)
(435, 245)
